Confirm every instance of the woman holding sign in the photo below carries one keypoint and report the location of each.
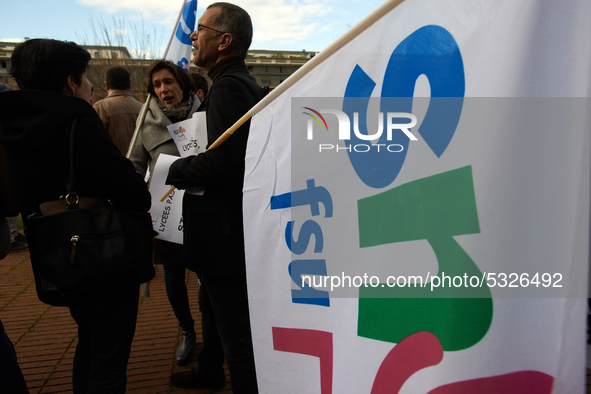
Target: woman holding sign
(174, 101)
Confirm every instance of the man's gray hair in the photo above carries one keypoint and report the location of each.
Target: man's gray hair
(237, 22)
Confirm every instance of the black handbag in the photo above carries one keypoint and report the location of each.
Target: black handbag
(80, 246)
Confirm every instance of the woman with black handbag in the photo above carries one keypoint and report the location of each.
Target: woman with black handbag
(37, 123)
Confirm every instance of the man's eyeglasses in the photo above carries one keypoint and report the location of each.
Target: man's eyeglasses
(201, 27)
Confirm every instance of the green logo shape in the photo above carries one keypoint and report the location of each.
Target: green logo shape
(434, 208)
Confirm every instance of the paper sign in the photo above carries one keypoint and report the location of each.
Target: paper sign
(190, 135)
(167, 216)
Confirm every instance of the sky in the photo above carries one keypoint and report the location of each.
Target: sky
(146, 25)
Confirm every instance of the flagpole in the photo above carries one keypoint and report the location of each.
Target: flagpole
(349, 35)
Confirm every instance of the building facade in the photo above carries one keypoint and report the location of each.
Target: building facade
(270, 68)
(6, 49)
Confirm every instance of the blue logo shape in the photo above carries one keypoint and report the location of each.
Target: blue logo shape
(432, 51)
(187, 23)
(184, 63)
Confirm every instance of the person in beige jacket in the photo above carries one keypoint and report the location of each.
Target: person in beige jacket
(119, 110)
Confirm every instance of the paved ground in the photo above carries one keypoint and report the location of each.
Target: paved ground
(45, 336)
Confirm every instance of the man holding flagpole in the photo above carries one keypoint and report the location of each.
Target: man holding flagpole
(213, 220)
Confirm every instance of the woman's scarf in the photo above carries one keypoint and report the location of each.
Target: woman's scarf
(178, 111)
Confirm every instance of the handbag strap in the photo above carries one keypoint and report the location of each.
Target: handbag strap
(71, 196)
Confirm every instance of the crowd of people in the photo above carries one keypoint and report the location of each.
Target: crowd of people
(53, 91)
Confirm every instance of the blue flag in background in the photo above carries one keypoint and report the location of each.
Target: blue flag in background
(179, 46)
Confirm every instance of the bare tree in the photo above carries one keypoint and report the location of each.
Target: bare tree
(131, 45)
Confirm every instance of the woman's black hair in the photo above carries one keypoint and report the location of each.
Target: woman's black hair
(46, 64)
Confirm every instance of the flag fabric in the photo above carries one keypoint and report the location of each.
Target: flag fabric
(179, 46)
(486, 212)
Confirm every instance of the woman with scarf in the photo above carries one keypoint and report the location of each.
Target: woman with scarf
(173, 101)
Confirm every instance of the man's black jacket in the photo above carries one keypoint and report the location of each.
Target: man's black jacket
(213, 230)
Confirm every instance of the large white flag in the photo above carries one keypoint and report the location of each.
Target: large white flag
(179, 46)
(453, 263)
